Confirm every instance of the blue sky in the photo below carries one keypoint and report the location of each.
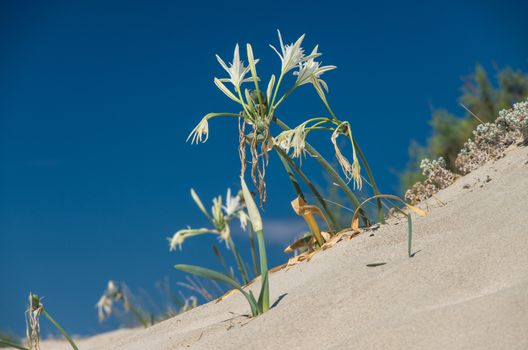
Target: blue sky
(97, 99)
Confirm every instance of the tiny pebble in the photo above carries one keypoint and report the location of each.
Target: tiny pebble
(466, 186)
(488, 178)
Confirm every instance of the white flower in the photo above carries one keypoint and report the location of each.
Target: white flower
(293, 138)
(236, 70)
(105, 303)
(199, 132)
(292, 54)
(351, 171)
(298, 141)
(177, 240)
(310, 70)
(232, 205)
(104, 307)
(243, 217)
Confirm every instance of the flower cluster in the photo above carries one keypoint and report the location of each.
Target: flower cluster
(258, 107)
(490, 140)
(437, 177)
(220, 217)
(112, 293)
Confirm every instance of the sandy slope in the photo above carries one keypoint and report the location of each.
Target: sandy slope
(466, 288)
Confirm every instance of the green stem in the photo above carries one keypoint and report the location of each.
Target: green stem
(70, 340)
(240, 263)
(12, 345)
(263, 271)
(139, 316)
(381, 214)
(332, 221)
(331, 171)
(291, 175)
(253, 250)
(276, 90)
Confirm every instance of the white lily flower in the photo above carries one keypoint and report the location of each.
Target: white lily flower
(351, 171)
(293, 138)
(232, 205)
(104, 307)
(311, 70)
(298, 142)
(243, 217)
(237, 70)
(176, 241)
(200, 133)
(292, 54)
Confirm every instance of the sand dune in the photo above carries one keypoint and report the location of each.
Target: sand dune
(466, 287)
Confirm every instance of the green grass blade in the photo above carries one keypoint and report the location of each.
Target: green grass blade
(221, 259)
(381, 213)
(217, 276)
(11, 345)
(291, 175)
(264, 293)
(70, 340)
(252, 246)
(239, 261)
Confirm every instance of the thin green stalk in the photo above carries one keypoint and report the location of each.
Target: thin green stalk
(70, 340)
(381, 214)
(253, 250)
(264, 293)
(332, 221)
(331, 171)
(276, 89)
(240, 263)
(12, 345)
(291, 175)
(138, 315)
(221, 259)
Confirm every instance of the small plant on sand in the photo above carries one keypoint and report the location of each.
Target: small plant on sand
(220, 217)
(490, 140)
(437, 177)
(258, 120)
(33, 313)
(118, 300)
(258, 305)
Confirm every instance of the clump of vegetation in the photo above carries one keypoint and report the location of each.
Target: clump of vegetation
(490, 140)
(437, 177)
(482, 102)
(260, 304)
(220, 217)
(133, 309)
(262, 132)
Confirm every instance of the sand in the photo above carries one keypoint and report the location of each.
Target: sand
(465, 288)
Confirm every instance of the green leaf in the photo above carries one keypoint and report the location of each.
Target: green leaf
(264, 293)
(199, 203)
(225, 90)
(213, 275)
